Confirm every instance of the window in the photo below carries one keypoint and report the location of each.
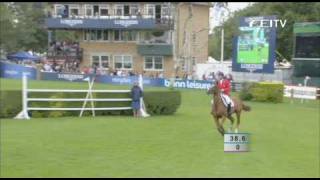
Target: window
(86, 35)
(96, 35)
(118, 35)
(118, 62)
(126, 10)
(74, 10)
(119, 10)
(127, 62)
(101, 61)
(104, 62)
(89, 10)
(134, 9)
(125, 35)
(105, 35)
(148, 63)
(104, 11)
(99, 35)
(150, 10)
(132, 35)
(153, 63)
(93, 35)
(95, 61)
(165, 10)
(59, 10)
(96, 10)
(123, 62)
(158, 62)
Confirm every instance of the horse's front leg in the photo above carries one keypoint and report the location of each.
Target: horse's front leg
(232, 122)
(218, 126)
(222, 122)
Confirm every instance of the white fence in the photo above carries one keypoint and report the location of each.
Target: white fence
(25, 100)
(301, 92)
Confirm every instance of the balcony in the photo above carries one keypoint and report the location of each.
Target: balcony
(132, 22)
(155, 49)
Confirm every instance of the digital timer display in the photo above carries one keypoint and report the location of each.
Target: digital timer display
(236, 142)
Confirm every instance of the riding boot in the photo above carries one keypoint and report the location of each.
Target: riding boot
(229, 109)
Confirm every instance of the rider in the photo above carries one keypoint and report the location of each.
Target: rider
(224, 84)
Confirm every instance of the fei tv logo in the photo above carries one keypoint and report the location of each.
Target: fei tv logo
(267, 23)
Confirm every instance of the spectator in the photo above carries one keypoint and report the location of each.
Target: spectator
(160, 75)
(136, 94)
(47, 67)
(189, 76)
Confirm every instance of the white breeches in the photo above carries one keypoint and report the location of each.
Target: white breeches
(227, 100)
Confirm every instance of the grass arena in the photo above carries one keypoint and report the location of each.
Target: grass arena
(285, 141)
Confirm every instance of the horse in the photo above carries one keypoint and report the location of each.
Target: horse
(219, 110)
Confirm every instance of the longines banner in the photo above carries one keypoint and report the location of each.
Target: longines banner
(128, 80)
(9, 70)
(58, 23)
(254, 48)
(15, 71)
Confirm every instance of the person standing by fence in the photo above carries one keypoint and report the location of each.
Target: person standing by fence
(136, 94)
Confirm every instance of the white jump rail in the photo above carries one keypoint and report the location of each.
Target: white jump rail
(75, 90)
(75, 100)
(25, 99)
(78, 109)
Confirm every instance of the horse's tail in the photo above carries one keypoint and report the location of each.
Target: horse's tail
(245, 107)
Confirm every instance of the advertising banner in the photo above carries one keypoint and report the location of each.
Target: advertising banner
(64, 76)
(9, 70)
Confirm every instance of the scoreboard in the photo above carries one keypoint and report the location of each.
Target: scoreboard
(236, 142)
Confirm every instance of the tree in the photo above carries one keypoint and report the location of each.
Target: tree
(22, 27)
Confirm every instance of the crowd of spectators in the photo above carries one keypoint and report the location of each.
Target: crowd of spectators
(65, 48)
(66, 67)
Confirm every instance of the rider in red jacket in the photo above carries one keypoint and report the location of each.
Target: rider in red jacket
(224, 85)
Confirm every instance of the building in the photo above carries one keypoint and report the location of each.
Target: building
(306, 52)
(168, 38)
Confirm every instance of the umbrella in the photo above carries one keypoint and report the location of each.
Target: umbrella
(23, 56)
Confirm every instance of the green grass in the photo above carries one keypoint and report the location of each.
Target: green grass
(285, 142)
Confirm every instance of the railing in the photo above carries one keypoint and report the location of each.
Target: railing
(112, 15)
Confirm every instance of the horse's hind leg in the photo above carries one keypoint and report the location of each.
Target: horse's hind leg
(238, 122)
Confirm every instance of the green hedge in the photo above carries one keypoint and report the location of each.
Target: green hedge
(162, 102)
(157, 103)
(245, 93)
(10, 103)
(262, 92)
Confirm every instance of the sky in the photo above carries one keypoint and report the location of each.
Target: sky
(233, 6)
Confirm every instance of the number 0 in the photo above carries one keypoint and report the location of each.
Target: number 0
(237, 146)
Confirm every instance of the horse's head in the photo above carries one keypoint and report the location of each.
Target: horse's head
(214, 89)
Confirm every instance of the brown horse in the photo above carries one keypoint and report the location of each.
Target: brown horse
(219, 110)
